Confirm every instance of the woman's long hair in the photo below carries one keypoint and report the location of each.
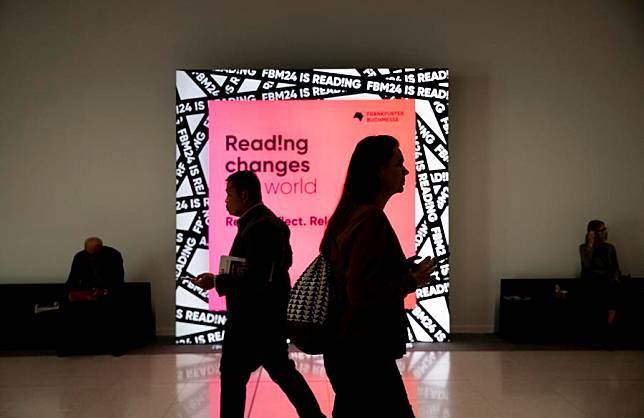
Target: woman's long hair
(363, 183)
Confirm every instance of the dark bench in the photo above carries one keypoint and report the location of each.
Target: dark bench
(568, 310)
(29, 314)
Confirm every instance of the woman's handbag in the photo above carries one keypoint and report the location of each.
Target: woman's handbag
(309, 314)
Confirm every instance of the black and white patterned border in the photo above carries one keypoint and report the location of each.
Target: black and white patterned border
(429, 319)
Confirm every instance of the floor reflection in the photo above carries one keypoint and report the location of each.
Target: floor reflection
(445, 384)
(425, 374)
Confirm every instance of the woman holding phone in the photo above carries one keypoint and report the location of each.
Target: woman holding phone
(372, 278)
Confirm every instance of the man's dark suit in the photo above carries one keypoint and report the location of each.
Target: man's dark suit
(256, 327)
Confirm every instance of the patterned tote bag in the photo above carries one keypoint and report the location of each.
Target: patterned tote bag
(309, 307)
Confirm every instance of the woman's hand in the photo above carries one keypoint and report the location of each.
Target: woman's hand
(421, 271)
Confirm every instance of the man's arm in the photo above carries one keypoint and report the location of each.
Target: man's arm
(74, 290)
(113, 274)
(119, 271)
(264, 247)
(75, 273)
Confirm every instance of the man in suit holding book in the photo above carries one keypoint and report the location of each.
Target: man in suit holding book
(256, 300)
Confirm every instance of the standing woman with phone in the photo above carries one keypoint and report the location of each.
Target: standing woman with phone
(372, 278)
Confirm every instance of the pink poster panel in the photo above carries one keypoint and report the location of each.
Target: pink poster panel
(300, 151)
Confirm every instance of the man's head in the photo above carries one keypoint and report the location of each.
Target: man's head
(243, 191)
(93, 245)
(599, 228)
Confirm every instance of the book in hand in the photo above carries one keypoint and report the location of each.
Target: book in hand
(235, 266)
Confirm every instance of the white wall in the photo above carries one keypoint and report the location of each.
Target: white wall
(546, 109)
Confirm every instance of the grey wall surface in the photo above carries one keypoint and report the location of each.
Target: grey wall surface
(546, 117)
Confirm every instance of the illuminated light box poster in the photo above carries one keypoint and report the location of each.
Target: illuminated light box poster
(297, 130)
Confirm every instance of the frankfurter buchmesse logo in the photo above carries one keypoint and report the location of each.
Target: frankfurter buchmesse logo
(384, 116)
(359, 116)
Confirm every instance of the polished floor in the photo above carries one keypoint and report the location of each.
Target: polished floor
(459, 381)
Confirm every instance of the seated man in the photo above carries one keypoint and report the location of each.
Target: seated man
(90, 312)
